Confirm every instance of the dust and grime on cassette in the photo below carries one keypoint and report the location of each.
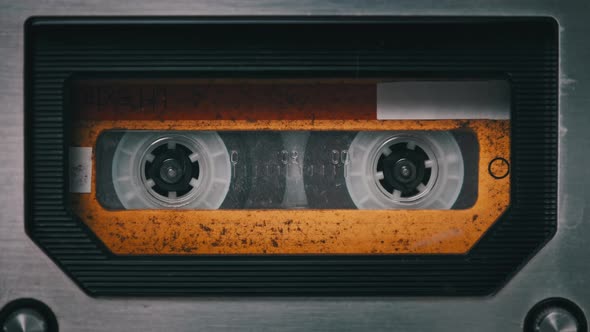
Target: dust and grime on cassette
(323, 166)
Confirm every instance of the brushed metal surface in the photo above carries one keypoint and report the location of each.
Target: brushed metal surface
(560, 269)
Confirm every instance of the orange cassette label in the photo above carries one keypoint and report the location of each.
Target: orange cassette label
(324, 166)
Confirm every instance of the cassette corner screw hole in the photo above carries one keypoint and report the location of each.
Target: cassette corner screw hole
(555, 315)
(27, 315)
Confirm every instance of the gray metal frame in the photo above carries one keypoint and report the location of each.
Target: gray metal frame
(560, 269)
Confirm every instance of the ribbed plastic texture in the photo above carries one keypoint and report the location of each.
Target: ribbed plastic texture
(523, 50)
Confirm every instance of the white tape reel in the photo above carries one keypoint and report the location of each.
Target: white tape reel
(439, 157)
(203, 150)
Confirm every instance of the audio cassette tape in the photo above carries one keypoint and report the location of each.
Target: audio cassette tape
(331, 156)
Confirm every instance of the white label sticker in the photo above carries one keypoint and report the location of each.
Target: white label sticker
(80, 169)
(434, 100)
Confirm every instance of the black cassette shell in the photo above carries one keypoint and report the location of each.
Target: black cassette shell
(523, 50)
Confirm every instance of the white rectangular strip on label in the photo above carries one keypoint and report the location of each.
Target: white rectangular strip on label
(80, 169)
(437, 100)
